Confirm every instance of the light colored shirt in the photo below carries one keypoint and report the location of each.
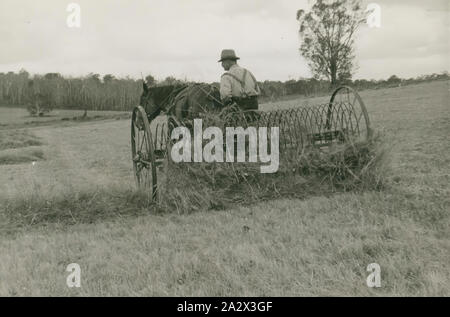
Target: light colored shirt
(238, 82)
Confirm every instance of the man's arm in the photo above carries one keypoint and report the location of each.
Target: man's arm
(257, 89)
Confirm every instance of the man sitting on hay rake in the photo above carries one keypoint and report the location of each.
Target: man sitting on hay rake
(344, 119)
(238, 85)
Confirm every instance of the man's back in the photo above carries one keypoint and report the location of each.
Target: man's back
(238, 82)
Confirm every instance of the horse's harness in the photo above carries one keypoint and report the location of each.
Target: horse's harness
(171, 99)
(209, 95)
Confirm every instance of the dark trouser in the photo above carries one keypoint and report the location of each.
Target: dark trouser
(248, 105)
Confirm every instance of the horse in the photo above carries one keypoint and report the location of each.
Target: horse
(185, 101)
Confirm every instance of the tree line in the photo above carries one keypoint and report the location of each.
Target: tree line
(93, 92)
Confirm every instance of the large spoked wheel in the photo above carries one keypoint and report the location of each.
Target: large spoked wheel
(347, 111)
(163, 127)
(142, 151)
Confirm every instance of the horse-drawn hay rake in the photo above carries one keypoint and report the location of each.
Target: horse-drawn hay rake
(343, 120)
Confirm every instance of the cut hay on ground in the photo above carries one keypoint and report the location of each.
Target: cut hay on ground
(199, 186)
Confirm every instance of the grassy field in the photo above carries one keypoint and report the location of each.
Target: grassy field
(76, 203)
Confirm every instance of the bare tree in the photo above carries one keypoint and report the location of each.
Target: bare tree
(328, 31)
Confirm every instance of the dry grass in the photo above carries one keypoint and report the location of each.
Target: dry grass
(15, 118)
(318, 246)
(13, 139)
(23, 156)
(70, 207)
(85, 211)
(19, 146)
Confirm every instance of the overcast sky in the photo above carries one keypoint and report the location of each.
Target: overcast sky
(184, 38)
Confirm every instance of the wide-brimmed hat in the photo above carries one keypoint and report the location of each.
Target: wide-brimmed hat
(228, 54)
